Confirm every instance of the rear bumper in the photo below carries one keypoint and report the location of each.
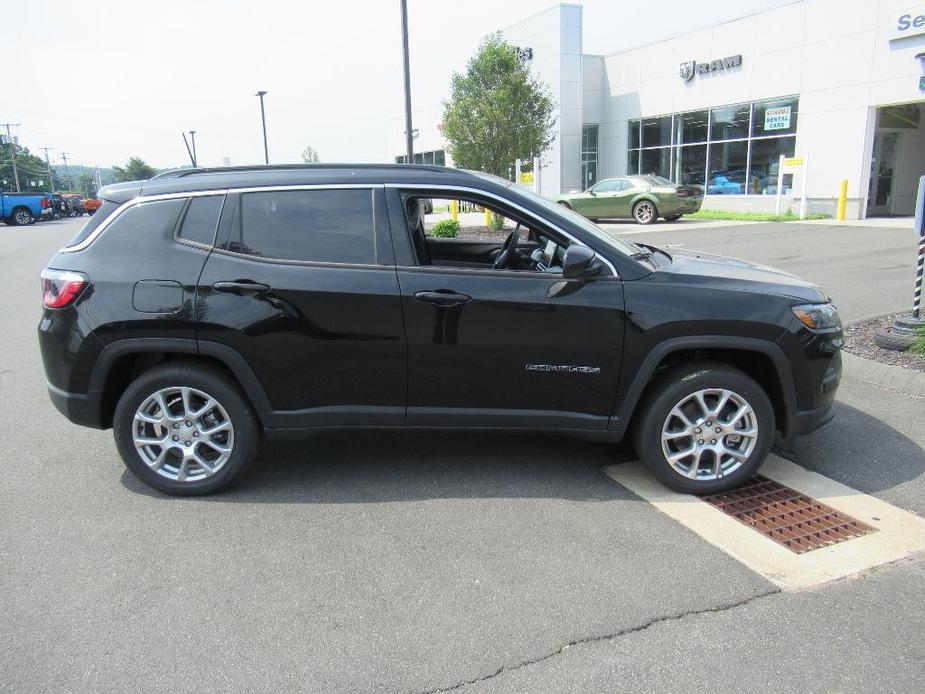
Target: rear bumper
(83, 409)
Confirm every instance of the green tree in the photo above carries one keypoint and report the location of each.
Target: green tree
(86, 184)
(497, 111)
(135, 169)
(31, 169)
(310, 155)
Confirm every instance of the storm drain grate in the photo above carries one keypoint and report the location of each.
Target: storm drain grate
(798, 522)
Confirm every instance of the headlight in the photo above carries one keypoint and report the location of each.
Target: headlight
(818, 317)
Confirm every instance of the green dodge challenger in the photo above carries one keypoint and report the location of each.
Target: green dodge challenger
(643, 198)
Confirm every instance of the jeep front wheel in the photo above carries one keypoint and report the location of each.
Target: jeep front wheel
(185, 429)
(705, 428)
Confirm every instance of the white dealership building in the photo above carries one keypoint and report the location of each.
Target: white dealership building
(837, 86)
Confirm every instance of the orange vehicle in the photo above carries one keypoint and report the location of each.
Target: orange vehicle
(91, 205)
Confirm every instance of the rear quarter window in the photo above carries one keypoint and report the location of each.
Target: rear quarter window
(142, 226)
(93, 221)
(327, 226)
(200, 221)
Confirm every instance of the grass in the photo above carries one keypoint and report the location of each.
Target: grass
(788, 216)
(919, 345)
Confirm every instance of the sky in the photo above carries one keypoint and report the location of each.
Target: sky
(107, 80)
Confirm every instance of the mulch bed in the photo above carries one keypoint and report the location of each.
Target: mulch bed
(859, 340)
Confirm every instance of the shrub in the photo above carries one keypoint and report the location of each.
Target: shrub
(445, 229)
(497, 221)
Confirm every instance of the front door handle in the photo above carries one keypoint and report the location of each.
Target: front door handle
(241, 287)
(443, 298)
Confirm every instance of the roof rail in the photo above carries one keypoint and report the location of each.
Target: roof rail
(179, 173)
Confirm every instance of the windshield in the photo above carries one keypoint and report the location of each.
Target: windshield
(558, 211)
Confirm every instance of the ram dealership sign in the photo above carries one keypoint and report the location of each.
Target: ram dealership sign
(692, 67)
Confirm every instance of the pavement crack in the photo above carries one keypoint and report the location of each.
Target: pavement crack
(599, 638)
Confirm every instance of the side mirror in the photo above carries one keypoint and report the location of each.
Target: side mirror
(580, 263)
(591, 192)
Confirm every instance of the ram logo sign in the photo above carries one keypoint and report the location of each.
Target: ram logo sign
(691, 67)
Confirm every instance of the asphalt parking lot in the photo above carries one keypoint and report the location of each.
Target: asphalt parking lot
(431, 563)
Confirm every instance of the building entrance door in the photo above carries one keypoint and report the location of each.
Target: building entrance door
(882, 171)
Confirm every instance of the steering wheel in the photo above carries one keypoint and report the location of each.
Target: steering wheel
(507, 250)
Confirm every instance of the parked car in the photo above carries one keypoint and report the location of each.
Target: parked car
(75, 204)
(642, 198)
(91, 205)
(59, 206)
(23, 208)
(201, 310)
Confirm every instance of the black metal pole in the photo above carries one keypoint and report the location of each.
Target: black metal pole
(263, 120)
(409, 136)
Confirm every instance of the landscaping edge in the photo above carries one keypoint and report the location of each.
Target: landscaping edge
(906, 381)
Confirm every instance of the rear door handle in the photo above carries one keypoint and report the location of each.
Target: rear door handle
(241, 287)
(443, 298)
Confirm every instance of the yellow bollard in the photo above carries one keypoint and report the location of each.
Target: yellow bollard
(488, 218)
(842, 201)
(454, 210)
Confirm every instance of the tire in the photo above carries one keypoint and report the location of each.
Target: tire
(164, 466)
(21, 216)
(90, 212)
(677, 389)
(885, 338)
(673, 218)
(645, 212)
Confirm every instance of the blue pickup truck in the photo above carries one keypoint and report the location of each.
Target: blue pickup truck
(24, 208)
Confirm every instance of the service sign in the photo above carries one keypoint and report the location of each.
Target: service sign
(909, 21)
(777, 118)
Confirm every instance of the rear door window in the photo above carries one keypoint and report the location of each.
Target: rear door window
(327, 226)
(201, 219)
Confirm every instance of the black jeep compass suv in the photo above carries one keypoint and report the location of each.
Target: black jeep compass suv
(204, 308)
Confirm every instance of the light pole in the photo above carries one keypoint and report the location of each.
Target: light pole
(263, 120)
(409, 135)
(192, 134)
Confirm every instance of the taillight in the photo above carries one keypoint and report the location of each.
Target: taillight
(61, 288)
(45, 204)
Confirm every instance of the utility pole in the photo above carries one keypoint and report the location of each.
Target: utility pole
(51, 178)
(67, 171)
(99, 180)
(13, 150)
(192, 134)
(263, 119)
(409, 136)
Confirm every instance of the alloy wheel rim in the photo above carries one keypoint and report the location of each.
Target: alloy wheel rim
(22, 217)
(644, 212)
(709, 434)
(183, 434)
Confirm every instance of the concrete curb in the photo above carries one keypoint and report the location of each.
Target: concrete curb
(896, 378)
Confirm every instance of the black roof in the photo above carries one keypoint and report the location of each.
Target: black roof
(187, 180)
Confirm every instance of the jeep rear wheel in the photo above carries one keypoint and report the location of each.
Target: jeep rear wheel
(705, 428)
(185, 429)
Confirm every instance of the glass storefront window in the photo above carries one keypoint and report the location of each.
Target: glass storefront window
(730, 122)
(727, 168)
(656, 132)
(657, 161)
(775, 117)
(691, 127)
(588, 156)
(765, 159)
(632, 162)
(691, 165)
(633, 131)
